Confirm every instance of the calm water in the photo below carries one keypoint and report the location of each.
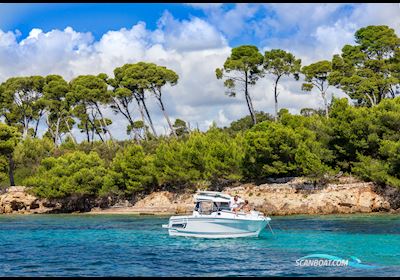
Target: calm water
(125, 245)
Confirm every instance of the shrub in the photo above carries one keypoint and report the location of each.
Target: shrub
(130, 171)
(74, 173)
(273, 149)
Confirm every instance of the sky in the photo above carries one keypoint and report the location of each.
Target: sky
(192, 39)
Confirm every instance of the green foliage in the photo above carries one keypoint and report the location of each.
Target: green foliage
(279, 62)
(87, 93)
(368, 71)
(317, 72)
(273, 149)
(9, 137)
(201, 157)
(31, 151)
(106, 150)
(246, 123)
(3, 172)
(180, 127)
(245, 58)
(72, 174)
(223, 155)
(130, 171)
(383, 169)
(59, 119)
(375, 170)
(21, 101)
(28, 154)
(361, 130)
(316, 75)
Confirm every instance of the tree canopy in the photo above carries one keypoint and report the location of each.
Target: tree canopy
(316, 75)
(241, 70)
(368, 71)
(9, 138)
(280, 63)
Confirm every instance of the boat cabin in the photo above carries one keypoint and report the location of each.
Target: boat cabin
(207, 202)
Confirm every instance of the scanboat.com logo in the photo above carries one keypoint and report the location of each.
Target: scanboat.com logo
(329, 260)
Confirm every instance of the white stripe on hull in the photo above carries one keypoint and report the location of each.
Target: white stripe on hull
(205, 235)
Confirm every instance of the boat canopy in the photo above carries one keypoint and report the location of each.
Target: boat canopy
(212, 196)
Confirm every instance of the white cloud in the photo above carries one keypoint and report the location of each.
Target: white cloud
(222, 119)
(377, 14)
(232, 22)
(195, 34)
(331, 39)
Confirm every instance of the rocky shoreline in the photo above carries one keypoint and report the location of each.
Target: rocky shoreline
(286, 197)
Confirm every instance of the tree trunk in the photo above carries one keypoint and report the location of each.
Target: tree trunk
(58, 132)
(70, 132)
(142, 116)
(276, 97)
(325, 104)
(124, 110)
(99, 134)
(276, 106)
(253, 113)
(87, 130)
(248, 100)
(50, 129)
(25, 131)
(166, 117)
(392, 92)
(92, 135)
(93, 123)
(37, 123)
(370, 99)
(148, 117)
(103, 121)
(11, 169)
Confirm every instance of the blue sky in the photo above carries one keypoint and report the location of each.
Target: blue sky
(96, 18)
(102, 17)
(191, 39)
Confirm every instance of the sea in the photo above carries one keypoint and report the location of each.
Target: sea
(131, 245)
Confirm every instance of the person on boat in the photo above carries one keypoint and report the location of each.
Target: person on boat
(235, 203)
(246, 207)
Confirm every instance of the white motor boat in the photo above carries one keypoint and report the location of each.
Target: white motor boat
(212, 218)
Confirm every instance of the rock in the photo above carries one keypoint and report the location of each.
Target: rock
(16, 199)
(347, 195)
(164, 202)
(7, 209)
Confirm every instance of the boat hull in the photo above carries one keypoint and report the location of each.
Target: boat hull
(215, 227)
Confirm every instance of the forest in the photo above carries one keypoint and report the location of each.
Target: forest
(359, 137)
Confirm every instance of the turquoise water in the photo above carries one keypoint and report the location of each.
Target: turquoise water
(126, 245)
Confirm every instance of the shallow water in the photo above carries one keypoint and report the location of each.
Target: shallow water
(127, 245)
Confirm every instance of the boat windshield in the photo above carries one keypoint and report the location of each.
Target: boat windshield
(222, 206)
(208, 207)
